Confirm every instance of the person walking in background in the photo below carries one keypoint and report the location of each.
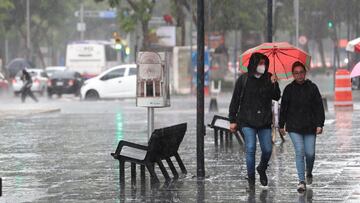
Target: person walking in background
(302, 116)
(26, 88)
(250, 113)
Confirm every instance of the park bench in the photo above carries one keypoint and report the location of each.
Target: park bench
(162, 145)
(221, 127)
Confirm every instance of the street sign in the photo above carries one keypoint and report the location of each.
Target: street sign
(302, 40)
(81, 27)
(97, 14)
(107, 14)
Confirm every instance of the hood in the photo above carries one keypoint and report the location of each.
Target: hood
(254, 61)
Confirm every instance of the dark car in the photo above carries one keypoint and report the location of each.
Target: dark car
(64, 82)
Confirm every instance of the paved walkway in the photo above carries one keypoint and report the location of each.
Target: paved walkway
(65, 158)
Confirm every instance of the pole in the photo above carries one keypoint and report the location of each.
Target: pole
(296, 13)
(28, 42)
(235, 56)
(348, 33)
(82, 20)
(269, 18)
(191, 70)
(6, 49)
(200, 128)
(150, 121)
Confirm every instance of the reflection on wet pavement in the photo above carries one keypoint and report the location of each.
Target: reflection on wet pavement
(65, 157)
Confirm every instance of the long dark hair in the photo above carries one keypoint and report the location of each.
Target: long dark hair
(255, 58)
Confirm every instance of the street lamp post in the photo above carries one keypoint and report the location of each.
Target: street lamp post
(269, 18)
(296, 13)
(200, 127)
(28, 42)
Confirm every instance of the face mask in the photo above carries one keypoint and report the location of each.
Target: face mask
(260, 69)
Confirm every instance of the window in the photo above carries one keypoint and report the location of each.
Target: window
(132, 71)
(114, 74)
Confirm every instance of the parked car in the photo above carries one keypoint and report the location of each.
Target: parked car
(64, 82)
(4, 86)
(39, 78)
(51, 69)
(116, 82)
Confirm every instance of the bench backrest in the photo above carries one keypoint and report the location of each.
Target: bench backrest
(165, 142)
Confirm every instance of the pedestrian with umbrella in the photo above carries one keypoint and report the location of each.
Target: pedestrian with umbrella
(302, 116)
(250, 113)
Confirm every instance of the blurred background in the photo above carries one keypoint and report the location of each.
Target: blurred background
(40, 32)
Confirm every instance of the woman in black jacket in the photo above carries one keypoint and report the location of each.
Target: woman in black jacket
(250, 112)
(302, 115)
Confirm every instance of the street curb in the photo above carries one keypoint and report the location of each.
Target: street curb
(27, 112)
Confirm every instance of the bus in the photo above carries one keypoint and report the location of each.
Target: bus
(90, 57)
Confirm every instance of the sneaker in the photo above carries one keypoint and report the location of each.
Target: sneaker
(262, 173)
(309, 179)
(301, 187)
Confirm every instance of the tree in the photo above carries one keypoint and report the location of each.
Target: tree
(46, 18)
(135, 12)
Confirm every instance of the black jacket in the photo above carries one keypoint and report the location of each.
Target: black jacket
(301, 108)
(255, 107)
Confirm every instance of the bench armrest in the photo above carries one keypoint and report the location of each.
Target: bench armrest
(123, 143)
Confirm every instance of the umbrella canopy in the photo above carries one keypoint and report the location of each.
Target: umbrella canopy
(18, 64)
(355, 71)
(281, 55)
(353, 45)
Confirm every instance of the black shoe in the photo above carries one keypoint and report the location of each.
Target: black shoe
(309, 179)
(251, 181)
(301, 187)
(262, 172)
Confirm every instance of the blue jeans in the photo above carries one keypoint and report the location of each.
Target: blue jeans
(304, 145)
(264, 136)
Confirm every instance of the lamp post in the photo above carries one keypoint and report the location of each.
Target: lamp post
(269, 18)
(28, 42)
(200, 128)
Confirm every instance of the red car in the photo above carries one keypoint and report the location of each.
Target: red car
(4, 86)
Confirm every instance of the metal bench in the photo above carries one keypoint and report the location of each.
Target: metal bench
(163, 144)
(221, 126)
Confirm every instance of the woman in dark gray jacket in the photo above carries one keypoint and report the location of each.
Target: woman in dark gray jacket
(250, 112)
(302, 115)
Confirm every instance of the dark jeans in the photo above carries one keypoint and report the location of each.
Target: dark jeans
(264, 136)
(27, 91)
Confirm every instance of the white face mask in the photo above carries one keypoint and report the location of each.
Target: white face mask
(260, 69)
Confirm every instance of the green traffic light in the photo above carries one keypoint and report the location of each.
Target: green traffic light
(330, 24)
(118, 46)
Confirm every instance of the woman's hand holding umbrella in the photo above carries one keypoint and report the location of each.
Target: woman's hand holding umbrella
(274, 78)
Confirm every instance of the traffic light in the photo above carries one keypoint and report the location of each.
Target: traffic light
(330, 24)
(118, 45)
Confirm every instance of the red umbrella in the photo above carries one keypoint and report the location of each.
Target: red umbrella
(281, 55)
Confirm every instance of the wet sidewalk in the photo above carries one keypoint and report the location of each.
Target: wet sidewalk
(65, 157)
